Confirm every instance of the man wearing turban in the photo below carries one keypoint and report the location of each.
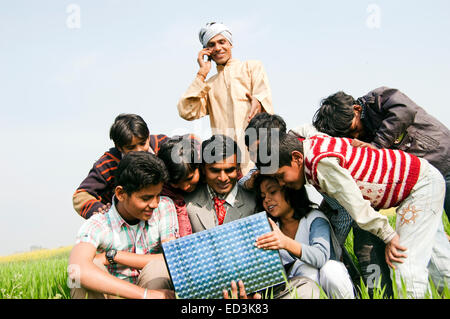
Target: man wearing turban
(231, 97)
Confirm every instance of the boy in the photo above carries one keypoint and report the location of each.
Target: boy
(128, 237)
(387, 118)
(363, 179)
(265, 124)
(129, 133)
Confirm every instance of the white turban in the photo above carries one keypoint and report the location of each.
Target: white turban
(211, 30)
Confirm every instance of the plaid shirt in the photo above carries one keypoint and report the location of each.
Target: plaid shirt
(111, 231)
(342, 221)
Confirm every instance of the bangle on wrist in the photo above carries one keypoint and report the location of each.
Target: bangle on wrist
(203, 76)
(145, 294)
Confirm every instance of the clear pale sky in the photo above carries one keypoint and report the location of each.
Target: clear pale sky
(63, 80)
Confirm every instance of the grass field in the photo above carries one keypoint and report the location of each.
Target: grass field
(36, 275)
(43, 274)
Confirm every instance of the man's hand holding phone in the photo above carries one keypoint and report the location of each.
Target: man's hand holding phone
(205, 66)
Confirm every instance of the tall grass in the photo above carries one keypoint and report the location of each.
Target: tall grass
(398, 292)
(43, 275)
(44, 278)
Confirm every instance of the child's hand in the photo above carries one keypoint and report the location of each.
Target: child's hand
(242, 293)
(104, 209)
(273, 240)
(250, 183)
(392, 253)
(358, 143)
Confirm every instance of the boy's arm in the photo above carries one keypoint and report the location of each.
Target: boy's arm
(247, 181)
(132, 260)
(337, 183)
(194, 103)
(156, 141)
(305, 131)
(399, 111)
(87, 199)
(168, 230)
(93, 278)
(86, 205)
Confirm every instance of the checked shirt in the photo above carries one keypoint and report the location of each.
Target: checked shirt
(110, 231)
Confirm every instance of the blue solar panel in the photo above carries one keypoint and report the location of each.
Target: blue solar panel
(201, 265)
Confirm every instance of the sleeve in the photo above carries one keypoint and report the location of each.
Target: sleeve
(337, 183)
(93, 232)
(87, 198)
(399, 113)
(305, 130)
(245, 178)
(168, 221)
(85, 204)
(261, 88)
(317, 253)
(194, 104)
(156, 141)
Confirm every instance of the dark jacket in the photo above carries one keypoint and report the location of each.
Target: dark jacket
(97, 189)
(393, 120)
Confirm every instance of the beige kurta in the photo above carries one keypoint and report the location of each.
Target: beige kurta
(223, 98)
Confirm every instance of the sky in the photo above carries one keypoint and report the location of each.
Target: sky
(68, 68)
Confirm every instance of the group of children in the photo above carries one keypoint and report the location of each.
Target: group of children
(376, 152)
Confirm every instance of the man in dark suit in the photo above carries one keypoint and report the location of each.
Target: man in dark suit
(220, 199)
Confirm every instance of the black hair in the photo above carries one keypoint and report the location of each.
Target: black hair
(297, 199)
(335, 115)
(287, 144)
(127, 126)
(138, 170)
(264, 121)
(181, 154)
(219, 147)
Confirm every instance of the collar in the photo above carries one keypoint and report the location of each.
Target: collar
(368, 124)
(360, 101)
(229, 198)
(116, 220)
(227, 65)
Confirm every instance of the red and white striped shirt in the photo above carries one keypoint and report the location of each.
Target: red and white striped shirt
(385, 177)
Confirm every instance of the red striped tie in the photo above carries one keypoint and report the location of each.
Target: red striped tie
(220, 209)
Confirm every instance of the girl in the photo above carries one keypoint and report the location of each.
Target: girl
(307, 244)
(181, 155)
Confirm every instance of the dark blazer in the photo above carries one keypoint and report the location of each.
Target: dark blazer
(392, 120)
(201, 210)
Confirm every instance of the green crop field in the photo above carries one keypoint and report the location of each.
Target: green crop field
(43, 274)
(29, 276)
